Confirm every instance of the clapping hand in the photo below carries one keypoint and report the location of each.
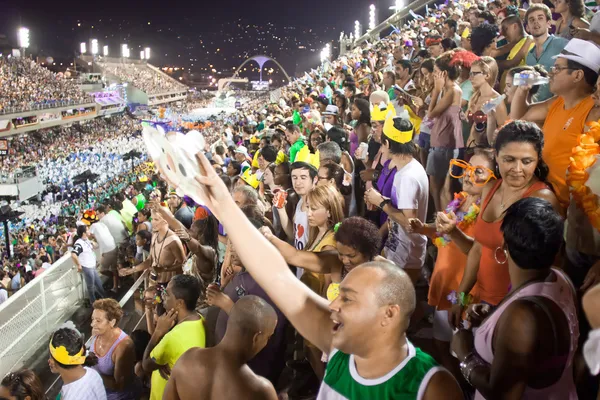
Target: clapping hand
(445, 223)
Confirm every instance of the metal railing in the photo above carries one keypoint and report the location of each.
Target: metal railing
(29, 316)
(45, 106)
(122, 303)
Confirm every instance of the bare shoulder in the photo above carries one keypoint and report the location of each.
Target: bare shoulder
(548, 195)
(263, 389)
(442, 385)
(594, 114)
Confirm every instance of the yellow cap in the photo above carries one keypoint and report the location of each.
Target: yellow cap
(390, 131)
(466, 33)
(382, 111)
(250, 178)
(61, 355)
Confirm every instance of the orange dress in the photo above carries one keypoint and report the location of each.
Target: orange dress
(561, 130)
(448, 273)
(493, 278)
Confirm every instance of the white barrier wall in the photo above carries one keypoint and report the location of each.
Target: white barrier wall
(29, 316)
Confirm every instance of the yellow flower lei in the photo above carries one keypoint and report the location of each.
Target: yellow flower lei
(584, 156)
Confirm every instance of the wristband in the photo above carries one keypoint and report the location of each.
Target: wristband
(468, 365)
(384, 202)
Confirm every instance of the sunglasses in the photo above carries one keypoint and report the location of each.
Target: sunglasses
(483, 173)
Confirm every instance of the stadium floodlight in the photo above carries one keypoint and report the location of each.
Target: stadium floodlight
(357, 29)
(372, 17)
(94, 46)
(147, 53)
(142, 55)
(342, 36)
(105, 51)
(397, 6)
(83, 48)
(124, 51)
(23, 38)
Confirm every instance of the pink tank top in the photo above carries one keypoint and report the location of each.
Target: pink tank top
(560, 292)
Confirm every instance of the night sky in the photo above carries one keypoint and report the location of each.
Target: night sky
(188, 32)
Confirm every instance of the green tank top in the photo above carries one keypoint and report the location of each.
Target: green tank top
(141, 202)
(407, 381)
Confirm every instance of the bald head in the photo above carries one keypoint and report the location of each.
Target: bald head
(394, 286)
(251, 315)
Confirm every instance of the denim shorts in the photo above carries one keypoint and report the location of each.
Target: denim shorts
(438, 162)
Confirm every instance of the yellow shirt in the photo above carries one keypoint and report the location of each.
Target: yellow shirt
(515, 50)
(180, 339)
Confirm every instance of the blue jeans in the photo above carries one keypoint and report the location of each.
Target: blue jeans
(93, 283)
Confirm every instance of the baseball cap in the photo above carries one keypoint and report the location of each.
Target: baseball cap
(242, 150)
(582, 52)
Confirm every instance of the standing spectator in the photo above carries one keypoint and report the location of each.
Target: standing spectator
(108, 248)
(22, 385)
(180, 209)
(539, 22)
(294, 137)
(84, 258)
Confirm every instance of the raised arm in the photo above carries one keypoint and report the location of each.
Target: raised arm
(320, 262)
(308, 312)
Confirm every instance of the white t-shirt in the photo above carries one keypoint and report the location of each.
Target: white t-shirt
(105, 240)
(85, 252)
(410, 192)
(115, 227)
(300, 231)
(88, 387)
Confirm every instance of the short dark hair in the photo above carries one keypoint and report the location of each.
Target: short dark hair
(269, 153)
(407, 148)
(293, 128)
(186, 288)
(589, 75)
(276, 136)
(101, 209)
(452, 24)
(81, 229)
(237, 167)
(338, 135)
(73, 342)
(405, 64)
(361, 235)
(488, 17)
(351, 87)
(145, 234)
(428, 64)
(533, 233)
(448, 44)
(390, 74)
(524, 132)
(303, 165)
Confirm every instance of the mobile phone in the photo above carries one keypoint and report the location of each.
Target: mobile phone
(502, 41)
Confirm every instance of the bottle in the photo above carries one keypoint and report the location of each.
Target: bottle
(529, 79)
(492, 104)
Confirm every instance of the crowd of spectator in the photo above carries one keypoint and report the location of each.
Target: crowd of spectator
(142, 77)
(26, 85)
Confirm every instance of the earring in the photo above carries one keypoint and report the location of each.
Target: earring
(496, 255)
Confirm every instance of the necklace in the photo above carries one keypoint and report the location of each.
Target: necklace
(503, 203)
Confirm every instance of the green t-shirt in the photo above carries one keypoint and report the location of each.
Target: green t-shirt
(140, 202)
(407, 381)
(180, 339)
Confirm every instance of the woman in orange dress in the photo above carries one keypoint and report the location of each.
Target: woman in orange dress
(518, 151)
(453, 248)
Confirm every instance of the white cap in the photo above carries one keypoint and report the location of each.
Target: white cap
(582, 52)
(242, 150)
(331, 110)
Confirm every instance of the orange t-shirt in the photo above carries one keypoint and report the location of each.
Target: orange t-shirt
(561, 131)
(448, 273)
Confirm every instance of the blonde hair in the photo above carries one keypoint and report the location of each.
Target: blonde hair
(329, 198)
(489, 67)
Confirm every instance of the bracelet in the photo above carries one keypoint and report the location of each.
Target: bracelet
(462, 298)
(468, 365)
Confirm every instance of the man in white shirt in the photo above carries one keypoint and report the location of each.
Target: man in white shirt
(108, 251)
(408, 199)
(115, 225)
(84, 259)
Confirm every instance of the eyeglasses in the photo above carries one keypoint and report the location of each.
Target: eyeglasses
(483, 174)
(473, 74)
(555, 70)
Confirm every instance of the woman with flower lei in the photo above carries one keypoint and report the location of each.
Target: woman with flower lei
(453, 247)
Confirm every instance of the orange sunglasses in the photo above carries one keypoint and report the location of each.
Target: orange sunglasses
(483, 173)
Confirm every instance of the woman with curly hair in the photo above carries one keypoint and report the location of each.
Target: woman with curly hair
(114, 349)
(22, 385)
(482, 39)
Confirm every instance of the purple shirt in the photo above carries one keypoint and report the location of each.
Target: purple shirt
(385, 183)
